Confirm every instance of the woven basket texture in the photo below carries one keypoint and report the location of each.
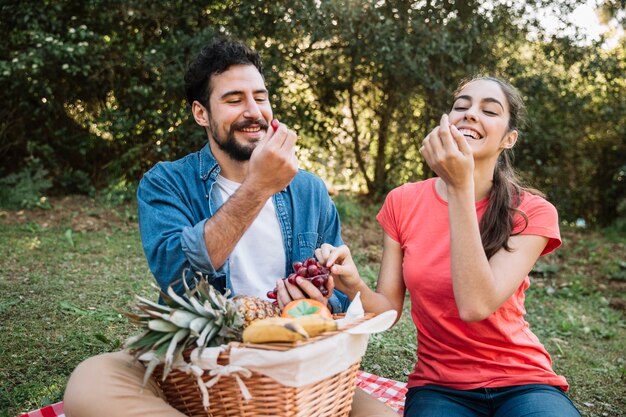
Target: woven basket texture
(331, 397)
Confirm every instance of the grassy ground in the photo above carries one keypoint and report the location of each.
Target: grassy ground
(65, 274)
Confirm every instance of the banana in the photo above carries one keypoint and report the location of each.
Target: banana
(315, 324)
(274, 329)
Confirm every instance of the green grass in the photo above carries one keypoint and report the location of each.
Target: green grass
(66, 274)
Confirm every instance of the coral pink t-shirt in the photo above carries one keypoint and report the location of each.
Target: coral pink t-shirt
(496, 352)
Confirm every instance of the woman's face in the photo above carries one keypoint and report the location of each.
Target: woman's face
(481, 113)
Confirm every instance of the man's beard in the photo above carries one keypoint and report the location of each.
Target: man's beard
(230, 146)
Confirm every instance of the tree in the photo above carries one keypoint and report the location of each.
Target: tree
(373, 78)
(94, 88)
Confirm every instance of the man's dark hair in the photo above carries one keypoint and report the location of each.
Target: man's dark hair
(215, 58)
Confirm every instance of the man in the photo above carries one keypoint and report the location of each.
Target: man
(272, 214)
(238, 211)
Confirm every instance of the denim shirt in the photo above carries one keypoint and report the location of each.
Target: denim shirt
(175, 199)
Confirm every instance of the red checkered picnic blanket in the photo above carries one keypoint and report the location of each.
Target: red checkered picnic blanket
(54, 410)
(386, 390)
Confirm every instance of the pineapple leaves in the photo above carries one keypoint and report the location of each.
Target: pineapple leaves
(181, 318)
(153, 305)
(178, 299)
(202, 316)
(169, 354)
(159, 325)
(197, 325)
(154, 362)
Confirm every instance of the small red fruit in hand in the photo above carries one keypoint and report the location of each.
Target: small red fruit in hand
(275, 124)
(309, 269)
(318, 281)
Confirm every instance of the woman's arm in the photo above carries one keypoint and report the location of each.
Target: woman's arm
(482, 285)
(390, 288)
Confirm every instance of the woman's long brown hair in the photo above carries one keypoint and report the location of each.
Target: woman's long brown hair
(496, 225)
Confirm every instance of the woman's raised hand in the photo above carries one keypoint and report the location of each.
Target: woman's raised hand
(447, 152)
(341, 265)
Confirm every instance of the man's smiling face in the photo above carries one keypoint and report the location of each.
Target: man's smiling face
(239, 110)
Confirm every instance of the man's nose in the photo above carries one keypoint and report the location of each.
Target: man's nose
(252, 111)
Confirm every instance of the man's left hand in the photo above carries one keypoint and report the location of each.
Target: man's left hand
(304, 289)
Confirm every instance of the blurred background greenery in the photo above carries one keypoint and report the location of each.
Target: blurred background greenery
(92, 92)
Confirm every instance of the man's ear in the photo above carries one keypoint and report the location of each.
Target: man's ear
(200, 113)
(509, 140)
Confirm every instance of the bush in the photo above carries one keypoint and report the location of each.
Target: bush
(348, 207)
(355, 208)
(118, 193)
(26, 188)
(74, 181)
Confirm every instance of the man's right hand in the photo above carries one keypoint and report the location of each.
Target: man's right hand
(273, 163)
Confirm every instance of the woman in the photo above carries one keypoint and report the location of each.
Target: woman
(463, 244)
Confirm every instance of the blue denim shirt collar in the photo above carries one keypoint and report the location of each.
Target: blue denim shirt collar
(208, 164)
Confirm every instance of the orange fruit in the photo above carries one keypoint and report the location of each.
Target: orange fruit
(304, 307)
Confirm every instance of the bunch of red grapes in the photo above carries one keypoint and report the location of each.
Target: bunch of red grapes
(310, 270)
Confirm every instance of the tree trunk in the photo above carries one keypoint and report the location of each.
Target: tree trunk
(386, 116)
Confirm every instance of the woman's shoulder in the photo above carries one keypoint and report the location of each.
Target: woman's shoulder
(411, 188)
(408, 196)
(540, 218)
(531, 202)
(535, 212)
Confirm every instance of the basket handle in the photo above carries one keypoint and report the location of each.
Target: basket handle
(216, 371)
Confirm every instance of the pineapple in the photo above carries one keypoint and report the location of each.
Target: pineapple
(203, 317)
(254, 308)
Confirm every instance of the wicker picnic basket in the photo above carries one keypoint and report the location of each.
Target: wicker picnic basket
(331, 397)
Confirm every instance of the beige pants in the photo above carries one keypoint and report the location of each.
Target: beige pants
(110, 385)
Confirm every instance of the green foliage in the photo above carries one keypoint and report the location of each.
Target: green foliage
(615, 270)
(74, 181)
(118, 193)
(95, 88)
(103, 78)
(348, 208)
(26, 188)
(545, 269)
(559, 80)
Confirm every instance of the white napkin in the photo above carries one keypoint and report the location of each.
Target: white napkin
(376, 324)
(355, 311)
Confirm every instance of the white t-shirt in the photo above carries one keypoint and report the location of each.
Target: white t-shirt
(258, 259)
